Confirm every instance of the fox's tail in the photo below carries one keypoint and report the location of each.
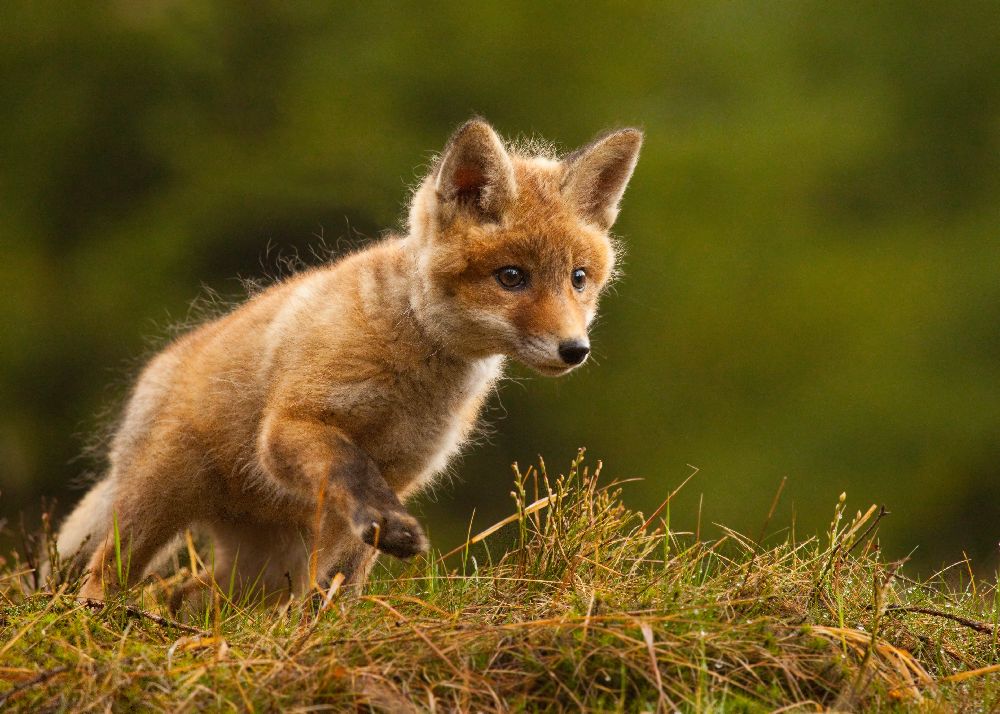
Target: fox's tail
(87, 525)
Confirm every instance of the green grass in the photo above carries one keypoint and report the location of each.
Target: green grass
(576, 602)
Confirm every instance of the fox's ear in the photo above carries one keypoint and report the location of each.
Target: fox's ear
(475, 171)
(597, 174)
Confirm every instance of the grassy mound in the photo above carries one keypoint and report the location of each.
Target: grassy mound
(574, 602)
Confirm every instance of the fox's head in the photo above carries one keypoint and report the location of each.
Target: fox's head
(512, 248)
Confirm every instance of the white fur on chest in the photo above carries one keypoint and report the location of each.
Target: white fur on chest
(457, 424)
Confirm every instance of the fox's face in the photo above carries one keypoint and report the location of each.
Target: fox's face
(513, 251)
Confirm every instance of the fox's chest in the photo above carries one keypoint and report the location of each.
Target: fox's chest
(412, 424)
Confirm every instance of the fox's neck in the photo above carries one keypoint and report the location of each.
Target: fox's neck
(421, 315)
(399, 296)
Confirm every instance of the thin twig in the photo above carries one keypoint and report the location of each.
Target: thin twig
(984, 627)
(140, 614)
(40, 679)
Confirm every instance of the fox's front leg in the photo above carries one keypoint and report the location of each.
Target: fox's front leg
(319, 461)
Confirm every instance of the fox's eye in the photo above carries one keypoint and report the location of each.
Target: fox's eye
(511, 277)
(579, 279)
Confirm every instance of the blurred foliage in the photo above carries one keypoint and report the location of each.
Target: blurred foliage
(812, 285)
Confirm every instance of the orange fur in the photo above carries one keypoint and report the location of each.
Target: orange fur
(291, 428)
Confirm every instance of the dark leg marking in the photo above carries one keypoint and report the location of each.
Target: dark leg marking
(377, 516)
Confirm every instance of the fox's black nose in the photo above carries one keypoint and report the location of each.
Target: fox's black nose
(574, 351)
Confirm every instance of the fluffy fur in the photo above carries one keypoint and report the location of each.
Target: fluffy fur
(291, 429)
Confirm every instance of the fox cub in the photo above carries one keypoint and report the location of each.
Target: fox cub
(292, 429)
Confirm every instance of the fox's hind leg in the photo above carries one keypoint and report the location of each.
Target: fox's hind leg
(80, 533)
(143, 517)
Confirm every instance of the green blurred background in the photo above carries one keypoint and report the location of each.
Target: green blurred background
(812, 284)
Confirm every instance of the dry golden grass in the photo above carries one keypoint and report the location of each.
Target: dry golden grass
(573, 603)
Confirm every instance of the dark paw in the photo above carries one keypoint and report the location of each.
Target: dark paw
(394, 532)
